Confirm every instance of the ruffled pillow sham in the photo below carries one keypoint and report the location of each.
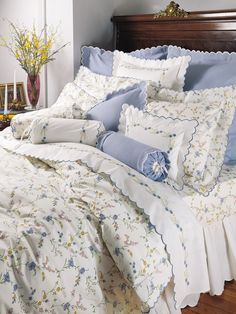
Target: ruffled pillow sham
(56, 130)
(214, 110)
(101, 61)
(168, 73)
(151, 162)
(172, 136)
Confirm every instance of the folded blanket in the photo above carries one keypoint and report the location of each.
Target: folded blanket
(147, 160)
(56, 130)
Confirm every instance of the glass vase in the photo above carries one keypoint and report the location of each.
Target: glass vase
(33, 89)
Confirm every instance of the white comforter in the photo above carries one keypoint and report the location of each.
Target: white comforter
(82, 233)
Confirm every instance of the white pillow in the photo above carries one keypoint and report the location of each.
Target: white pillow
(168, 73)
(55, 130)
(214, 110)
(172, 136)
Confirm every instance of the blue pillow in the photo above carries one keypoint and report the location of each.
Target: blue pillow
(230, 154)
(207, 69)
(109, 110)
(147, 160)
(210, 70)
(101, 61)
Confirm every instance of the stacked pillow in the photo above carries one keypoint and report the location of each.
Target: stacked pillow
(101, 61)
(214, 110)
(210, 70)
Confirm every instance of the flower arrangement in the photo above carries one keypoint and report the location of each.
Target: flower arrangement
(32, 50)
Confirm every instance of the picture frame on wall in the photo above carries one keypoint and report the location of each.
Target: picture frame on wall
(10, 90)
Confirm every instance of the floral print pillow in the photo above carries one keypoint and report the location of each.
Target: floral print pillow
(172, 136)
(214, 110)
(56, 130)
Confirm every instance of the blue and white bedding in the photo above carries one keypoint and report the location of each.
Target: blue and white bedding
(82, 232)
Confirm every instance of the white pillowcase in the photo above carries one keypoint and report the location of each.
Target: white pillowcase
(168, 73)
(214, 110)
(75, 100)
(172, 136)
(55, 130)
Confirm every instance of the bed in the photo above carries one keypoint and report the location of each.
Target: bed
(81, 232)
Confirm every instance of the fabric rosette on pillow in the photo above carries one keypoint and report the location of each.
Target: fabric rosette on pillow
(151, 162)
(172, 136)
(214, 109)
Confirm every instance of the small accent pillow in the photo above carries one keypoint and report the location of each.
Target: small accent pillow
(149, 161)
(214, 110)
(163, 73)
(109, 110)
(55, 130)
(99, 86)
(172, 136)
(101, 61)
(207, 69)
(76, 98)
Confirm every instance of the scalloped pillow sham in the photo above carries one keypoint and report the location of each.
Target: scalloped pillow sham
(210, 70)
(172, 136)
(168, 73)
(101, 61)
(207, 69)
(214, 110)
(75, 100)
(109, 110)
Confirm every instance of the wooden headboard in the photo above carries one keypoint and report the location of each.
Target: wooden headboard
(207, 31)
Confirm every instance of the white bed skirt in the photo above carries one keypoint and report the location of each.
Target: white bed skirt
(220, 243)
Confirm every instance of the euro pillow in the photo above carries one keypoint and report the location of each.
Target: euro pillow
(56, 130)
(172, 136)
(214, 110)
(149, 161)
(207, 69)
(109, 110)
(101, 61)
(168, 73)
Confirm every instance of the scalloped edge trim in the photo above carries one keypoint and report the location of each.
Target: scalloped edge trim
(183, 63)
(222, 53)
(86, 71)
(140, 114)
(85, 53)
(141, 84)
(209, 187)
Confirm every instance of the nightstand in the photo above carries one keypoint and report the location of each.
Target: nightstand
(6, 120)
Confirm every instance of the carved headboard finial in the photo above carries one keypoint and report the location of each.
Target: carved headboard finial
(172, 9)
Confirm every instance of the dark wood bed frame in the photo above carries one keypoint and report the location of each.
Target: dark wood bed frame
(203, 30)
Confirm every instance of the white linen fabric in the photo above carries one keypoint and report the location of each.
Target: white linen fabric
(214, 110)
(168, 73)
(55, 130)
(102, 178)
(172, 136)
(75, 100)
(217, 215)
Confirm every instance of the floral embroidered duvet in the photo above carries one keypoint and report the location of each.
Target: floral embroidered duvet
(82, 233)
